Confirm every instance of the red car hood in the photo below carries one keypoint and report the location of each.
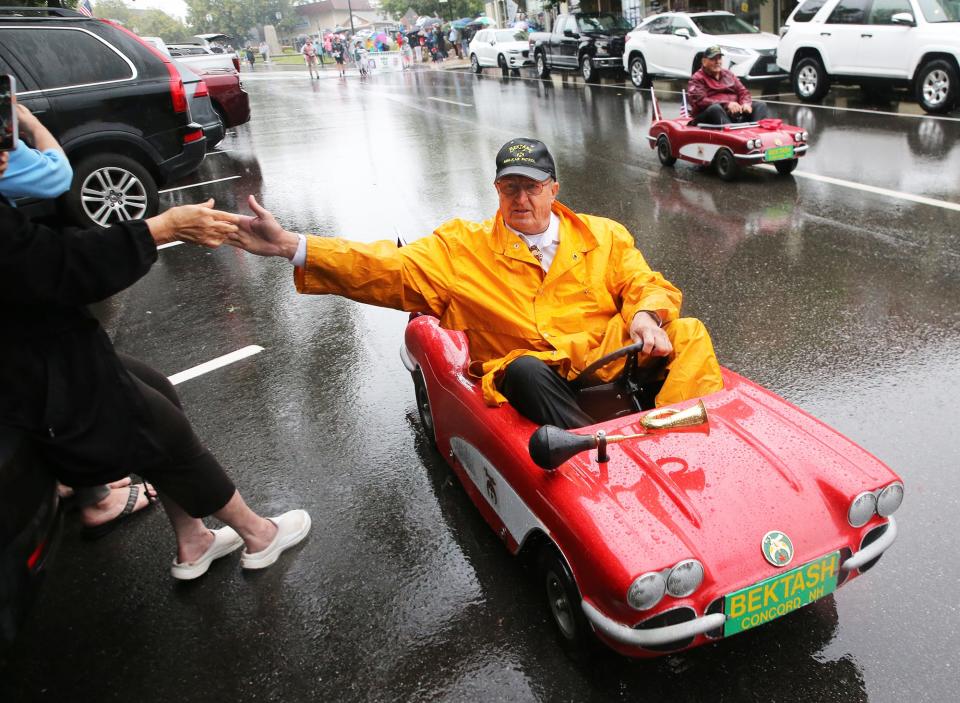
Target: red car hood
(759, 465)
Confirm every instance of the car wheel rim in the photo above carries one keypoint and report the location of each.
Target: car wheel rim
(560, 606)
(636, 73)
(423, 401)
(587, 70)
(475, 64)
(807, 81)
(540, 65)
(112, 194)
(935, 87)
(664, 148)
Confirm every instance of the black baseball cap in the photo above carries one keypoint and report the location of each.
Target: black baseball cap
(713, 52)
(525, 157)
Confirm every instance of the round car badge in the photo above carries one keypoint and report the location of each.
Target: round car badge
(777, 548)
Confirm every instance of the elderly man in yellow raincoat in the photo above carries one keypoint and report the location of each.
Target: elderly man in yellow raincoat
(540, 291)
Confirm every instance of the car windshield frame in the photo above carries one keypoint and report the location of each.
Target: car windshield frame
(724, 22)
(947, 11)
(602, 22)
(505, 35)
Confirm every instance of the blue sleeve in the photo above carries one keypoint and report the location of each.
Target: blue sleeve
(36, 174)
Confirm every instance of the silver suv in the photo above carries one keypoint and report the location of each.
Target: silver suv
(908, 42)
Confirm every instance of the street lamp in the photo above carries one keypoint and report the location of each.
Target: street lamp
(350, 10)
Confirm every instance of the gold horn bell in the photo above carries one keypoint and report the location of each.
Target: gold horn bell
(670, 419)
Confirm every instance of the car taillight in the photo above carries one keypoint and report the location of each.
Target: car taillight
(37, 553)
(202, 91)
(177, 92)
(236, 63)
(195, 135)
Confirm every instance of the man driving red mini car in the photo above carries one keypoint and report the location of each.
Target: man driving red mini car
(541, 292)
(717, 96)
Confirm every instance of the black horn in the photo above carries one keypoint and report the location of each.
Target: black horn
(550, 446)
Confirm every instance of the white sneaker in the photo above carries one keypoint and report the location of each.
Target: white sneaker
(225, 541)
(292, 527)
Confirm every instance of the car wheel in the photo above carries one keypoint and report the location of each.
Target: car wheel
(502, 65)
(475, 64)
(810, 81)
(110, 188)
(423, 406)
(543, 71)
(638, 73)
(937, 86)
(785, 168)
(664, 152)
(727, 166)
(563, 602)
(587, 69)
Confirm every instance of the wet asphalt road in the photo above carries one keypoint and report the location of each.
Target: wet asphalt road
(844, 301)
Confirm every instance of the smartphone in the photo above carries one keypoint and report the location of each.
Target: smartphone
(8, 115)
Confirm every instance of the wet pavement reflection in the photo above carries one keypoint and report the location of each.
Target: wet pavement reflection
(843, 300)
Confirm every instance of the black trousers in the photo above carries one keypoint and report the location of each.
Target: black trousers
(175, 460)
(717, 114)
(540, 394)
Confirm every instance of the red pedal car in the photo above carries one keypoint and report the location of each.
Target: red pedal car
(729, 147)
(661, 530)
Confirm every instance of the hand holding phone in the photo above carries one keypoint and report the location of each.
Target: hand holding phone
(8, 113)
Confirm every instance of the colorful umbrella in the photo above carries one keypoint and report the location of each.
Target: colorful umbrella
(483, 21)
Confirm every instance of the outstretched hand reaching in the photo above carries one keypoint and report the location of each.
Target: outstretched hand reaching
(261, 234)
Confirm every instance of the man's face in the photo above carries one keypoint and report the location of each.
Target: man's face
(522, 206)
(712, 66)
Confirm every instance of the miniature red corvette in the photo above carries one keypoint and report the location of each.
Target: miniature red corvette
(728, 147)
(661, 530)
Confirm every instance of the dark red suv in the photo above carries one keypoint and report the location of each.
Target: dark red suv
(116, 105)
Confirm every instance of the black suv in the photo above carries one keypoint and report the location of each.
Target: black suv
(116, 105)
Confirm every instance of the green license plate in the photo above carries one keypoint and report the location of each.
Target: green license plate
(778, 153)
(779, 595)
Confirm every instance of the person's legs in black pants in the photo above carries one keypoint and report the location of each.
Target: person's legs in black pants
(759, 112)
(539, 394)
(191, 483)
(715, 114)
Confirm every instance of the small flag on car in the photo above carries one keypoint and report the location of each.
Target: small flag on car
(85, 8)
(684, 107)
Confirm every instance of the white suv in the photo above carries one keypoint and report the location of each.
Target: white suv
(670, 45)
(911, 42)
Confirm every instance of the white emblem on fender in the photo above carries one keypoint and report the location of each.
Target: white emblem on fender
(506, 503)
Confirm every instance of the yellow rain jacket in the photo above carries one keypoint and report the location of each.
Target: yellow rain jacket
(481, 278)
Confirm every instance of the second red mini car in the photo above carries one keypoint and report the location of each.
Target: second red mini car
(728, 147)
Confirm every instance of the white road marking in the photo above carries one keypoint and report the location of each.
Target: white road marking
(168, 245)
(452, 102)
(214, 364)
(195, 185)
(896, 194)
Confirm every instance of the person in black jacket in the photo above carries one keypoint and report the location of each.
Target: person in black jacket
(96, 414)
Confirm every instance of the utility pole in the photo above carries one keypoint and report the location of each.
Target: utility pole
(350, 10)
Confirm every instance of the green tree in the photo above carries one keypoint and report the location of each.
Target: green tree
(452, 10)
(146, 23)
(238, 17)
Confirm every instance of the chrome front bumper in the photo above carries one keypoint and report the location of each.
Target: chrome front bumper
(658, 636)
(759, 157)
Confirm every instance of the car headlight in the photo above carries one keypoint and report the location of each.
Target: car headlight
(685, 578)
(889, 499)
(862, 509)
(735, 51)
(646, 591)
(806, 135)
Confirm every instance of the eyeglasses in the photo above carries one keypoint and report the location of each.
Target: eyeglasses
(512, 188)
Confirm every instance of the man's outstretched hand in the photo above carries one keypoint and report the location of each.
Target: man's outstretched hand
(261, 234)
(646, 329)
